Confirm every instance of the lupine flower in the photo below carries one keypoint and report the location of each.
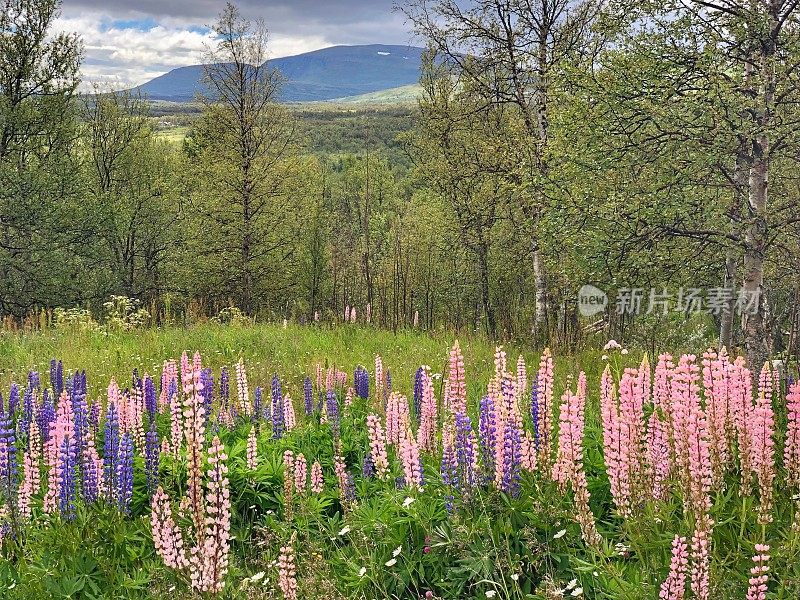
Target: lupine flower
(762, 432)
(13, 399)
(456, 384)
(300, 474)
(427, 415)
(377, 442)
(757, 588)
(791, 452)
(466, 453)
(449, 470)
(151, 458)
(287, 570)
(674, 586)
(242, 388)
(317, 483)
(216, 540)
(258, 409)
(332, 412)
(379, 382)
(8, 456)
(252, 449)
(544, 408)
(194, 432)
(125, 474)
(288, 413)
(418, 375)
(56, 377)
(488, 434)
(361, 382)
(409, 455)
(150, 397)
(111, 452)
(66, 478)
(288, 483)
(368, 466)
(167, 536)
(277, 408)
(346, 488)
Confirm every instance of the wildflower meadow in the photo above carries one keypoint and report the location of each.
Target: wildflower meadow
(523, 475)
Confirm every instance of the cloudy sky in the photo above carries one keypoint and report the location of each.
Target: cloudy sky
(130, 42)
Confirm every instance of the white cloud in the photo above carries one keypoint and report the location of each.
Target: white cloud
(124, 56)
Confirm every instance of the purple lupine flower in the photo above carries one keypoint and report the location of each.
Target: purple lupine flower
(308, 395)
(27, 411)
(207, 379)
(487, 431)
(136, 381)
(54, 385)
(124, 491)
(149, 389)
(67, 457)
(388, 389)
(449, 472)
(277, 408)
(361, 382)
(535, 411)
(8, 456)
(77, 387)
(349, 487)
(333, 412)
(152, 457)
(257, 407)
(45, 416)
(368, 467)
(465, 451)
(94, 418)
(13, 399)
(33, 379)
(418, 378)
(111, 451)
(83, 461)
(512, 446)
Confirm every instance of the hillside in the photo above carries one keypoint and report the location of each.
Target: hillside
(327, 74)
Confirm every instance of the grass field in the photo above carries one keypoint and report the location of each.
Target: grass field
(439, 529)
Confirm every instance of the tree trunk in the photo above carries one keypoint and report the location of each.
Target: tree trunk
(726, 321)
(483, 266)
(540, 298)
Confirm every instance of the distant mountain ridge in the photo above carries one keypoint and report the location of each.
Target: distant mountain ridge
(327, 74)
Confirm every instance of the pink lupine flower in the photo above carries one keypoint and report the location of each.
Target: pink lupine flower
(242, 389)
(252, 449)
(397, 417)
(612, 441)
(544, 395)
(168, 375)
(522, 380)
(757, 588)
(762, 432)
(741, 405)
(409, 454)
(194, 432)
(658, 458)
(674, 586)
(701, 557)
(456, 384)
(791, 452)
(289, 418)
(317, 482)
(288, 483)
(377, 400)
(216, 547)
(167, 536)
(377, 444)
(348, 397)
(300, 474)
(287, 570)
(426, 434)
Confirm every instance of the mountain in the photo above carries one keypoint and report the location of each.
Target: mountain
(327, 74)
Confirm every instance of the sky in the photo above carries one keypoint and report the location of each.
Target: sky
(130, 42)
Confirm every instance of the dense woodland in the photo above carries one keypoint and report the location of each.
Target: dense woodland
(556, 143)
